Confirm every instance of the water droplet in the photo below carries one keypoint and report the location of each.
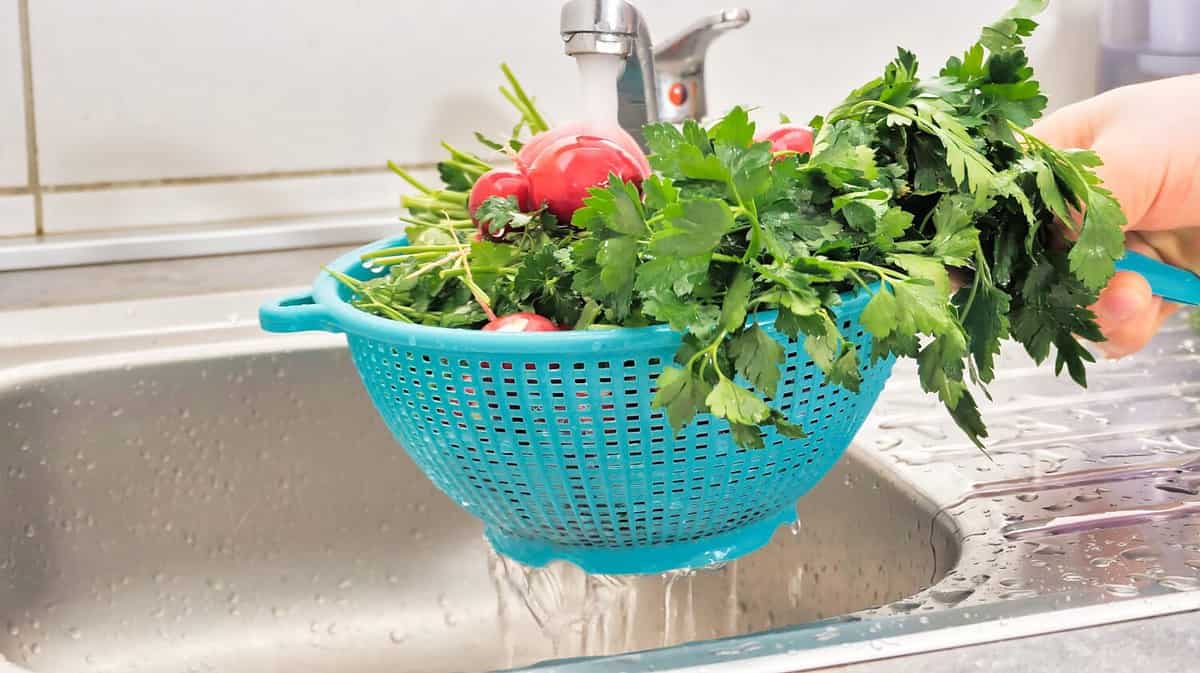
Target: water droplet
(1182, 489)
(1102, 561)
(74, 633)
(827, 633)
(1017, 594)
(1049, 549)
(1058, 506)
(1027, 497)
(1180, 583)
(1121, 590)
(951, 596)
(1088, 497)
(1141, 553)
(397, 636)
(30, 530)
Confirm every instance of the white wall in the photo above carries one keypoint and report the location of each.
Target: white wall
(152, 113)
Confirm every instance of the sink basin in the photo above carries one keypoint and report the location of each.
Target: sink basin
(243, 509)
(183, 493)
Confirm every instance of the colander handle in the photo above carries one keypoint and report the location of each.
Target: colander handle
(1169, 282)
(295, 313)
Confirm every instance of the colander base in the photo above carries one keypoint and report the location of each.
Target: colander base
(705, 552)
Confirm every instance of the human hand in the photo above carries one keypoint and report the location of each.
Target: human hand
(1149, 138)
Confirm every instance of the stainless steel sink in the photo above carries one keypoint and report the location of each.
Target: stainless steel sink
(249, 512)
(182, 493)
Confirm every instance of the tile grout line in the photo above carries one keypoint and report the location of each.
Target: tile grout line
(220, 179)
(232, 178)
(31, 144)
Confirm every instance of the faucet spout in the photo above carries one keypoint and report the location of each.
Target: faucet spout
(664, 84)
(616, 28)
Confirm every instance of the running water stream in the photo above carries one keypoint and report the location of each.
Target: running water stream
(598, 75)
(578, 614)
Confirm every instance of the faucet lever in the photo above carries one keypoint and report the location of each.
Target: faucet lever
(679, 65)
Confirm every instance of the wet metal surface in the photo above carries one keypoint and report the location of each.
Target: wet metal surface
(219, 501)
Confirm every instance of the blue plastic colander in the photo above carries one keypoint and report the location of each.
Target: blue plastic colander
(551, 440)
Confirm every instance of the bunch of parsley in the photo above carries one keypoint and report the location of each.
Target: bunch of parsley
(910, 179)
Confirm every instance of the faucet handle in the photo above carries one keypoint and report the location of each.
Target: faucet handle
(679, 65)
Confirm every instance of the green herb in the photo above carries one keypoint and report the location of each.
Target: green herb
(909, 178)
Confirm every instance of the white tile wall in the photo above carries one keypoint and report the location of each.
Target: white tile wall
(133, 90)
(16, 215)
(13, 165)
(224, 202)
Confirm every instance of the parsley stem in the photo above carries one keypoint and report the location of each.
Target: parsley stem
(709, 351)
(466, 157)
(420, 186)
(591, 311)
(469, 168)
(751, 213)
(982, 273)
(439, 223)
(451, 210)
(462, 272)
(447, 196)
(877, 270)
(862, 283)
(407, 249)
(718, 257)
(537, 123)
(417, 257)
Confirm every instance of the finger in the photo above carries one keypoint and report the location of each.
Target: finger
(1137, 335)
(1131, 337)
(1134, 182)
(1074, 126)
(1124, 312)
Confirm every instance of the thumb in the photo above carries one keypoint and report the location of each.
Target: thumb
(1093, 125)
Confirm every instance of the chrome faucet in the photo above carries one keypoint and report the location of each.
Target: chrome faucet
(658, 84)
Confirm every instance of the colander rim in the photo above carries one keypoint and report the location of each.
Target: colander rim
(328, 294)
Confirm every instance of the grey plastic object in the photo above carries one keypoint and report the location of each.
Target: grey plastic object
(1145, 40)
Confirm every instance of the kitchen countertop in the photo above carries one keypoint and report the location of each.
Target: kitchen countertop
(1168, 644)
(1163, 643)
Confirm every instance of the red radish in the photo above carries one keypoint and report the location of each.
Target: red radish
(562, 174)
(502, 183)
(520, 322)
(539, 143)
(798, 139)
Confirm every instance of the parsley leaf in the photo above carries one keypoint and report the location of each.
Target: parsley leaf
(692, 228)
(758, 357)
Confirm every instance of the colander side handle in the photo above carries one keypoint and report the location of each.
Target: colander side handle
(295, 313)
(1169, 282)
